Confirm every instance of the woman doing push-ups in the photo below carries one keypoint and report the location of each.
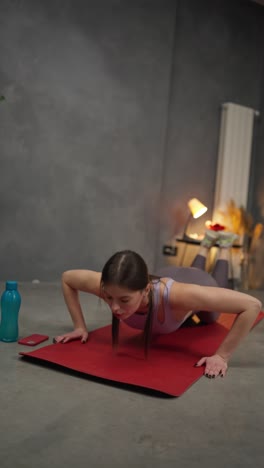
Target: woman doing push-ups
(158, 305)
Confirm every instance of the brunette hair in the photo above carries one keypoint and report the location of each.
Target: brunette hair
(128, 269)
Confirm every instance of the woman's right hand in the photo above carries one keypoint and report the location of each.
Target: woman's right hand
(78, 333)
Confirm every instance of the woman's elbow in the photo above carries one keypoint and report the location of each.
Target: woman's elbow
(65, 277)
(255, 305)
(258, 305)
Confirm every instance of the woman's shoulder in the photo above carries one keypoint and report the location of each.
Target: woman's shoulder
(83, 280)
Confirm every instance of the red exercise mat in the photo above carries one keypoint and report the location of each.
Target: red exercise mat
(168, 369)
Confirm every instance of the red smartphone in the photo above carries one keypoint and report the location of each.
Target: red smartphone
(33, 340)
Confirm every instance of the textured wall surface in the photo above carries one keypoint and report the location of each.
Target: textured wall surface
(111, 122)
(82, 131)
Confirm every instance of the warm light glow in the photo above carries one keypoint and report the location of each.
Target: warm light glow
(196, 208)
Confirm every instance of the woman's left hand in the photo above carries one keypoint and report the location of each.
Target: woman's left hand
(214, 366)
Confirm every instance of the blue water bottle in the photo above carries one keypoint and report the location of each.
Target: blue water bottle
(10, 305)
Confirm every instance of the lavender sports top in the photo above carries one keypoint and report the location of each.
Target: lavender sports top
(169, 325)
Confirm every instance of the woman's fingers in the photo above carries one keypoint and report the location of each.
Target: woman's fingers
(81, 334)
(66, 339)
(214, 366)
(201, 362)
(58, 339)
(84, 337)
(223, 372)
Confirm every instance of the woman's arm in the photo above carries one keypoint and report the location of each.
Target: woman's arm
(74, 281)
(186, 297)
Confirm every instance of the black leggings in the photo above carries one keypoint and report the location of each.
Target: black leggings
(196, 274)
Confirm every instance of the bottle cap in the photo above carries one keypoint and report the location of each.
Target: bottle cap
(11, 285)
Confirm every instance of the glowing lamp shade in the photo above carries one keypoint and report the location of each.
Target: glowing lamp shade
(196, 208)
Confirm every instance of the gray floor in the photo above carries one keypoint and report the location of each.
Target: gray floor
(51, 419)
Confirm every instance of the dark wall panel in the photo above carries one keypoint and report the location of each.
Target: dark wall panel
(217, 59)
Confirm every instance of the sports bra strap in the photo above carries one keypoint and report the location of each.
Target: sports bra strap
(167, 288)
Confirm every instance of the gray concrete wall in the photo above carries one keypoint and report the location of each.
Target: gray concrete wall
(111, 122)
(82, 131)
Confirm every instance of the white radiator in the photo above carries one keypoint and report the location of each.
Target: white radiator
(234, 156)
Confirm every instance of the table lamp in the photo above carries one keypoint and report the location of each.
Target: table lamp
(197, 209)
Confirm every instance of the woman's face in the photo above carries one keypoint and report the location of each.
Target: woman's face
(124, 302)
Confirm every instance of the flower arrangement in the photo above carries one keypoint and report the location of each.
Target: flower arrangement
(214, 226)
(237, 219)
(240, 221)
